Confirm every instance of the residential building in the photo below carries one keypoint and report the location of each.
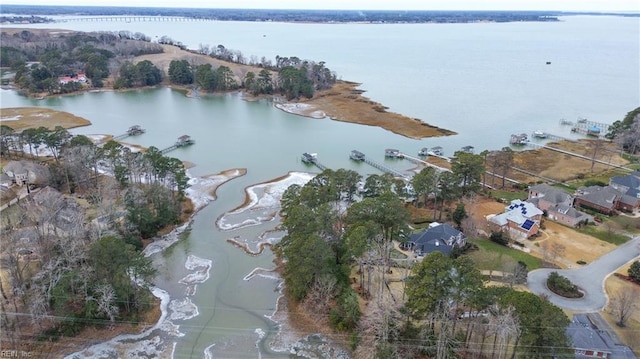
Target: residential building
(437, 238)
(629, 186)
(558, 205)
(79, 77)
(25, 172)
(602, 199)
(520, 219)
(591, 342)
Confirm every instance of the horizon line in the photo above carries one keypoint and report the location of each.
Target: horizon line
(328, 9)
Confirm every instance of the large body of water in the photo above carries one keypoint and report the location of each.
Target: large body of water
(484, 81)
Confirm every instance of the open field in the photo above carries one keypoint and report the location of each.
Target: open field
(562, 167)
(577, 246)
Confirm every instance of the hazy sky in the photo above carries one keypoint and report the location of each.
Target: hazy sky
(566, 5)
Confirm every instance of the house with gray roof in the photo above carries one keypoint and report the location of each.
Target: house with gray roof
(437, 238)
(591, 342)
(545, 196)
(629, 186)
(23, 172)
(558, 204)
(602, 199)
(520, 219)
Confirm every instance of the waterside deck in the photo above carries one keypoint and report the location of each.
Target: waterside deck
(361, 157)
(312, 159)
(132, 131)
(183, 141)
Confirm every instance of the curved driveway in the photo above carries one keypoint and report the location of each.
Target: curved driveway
(589, 278)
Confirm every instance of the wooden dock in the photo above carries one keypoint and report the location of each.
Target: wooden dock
(312, 159)
(422, 162)
(584, 127)
(132, 131)
(183, 141)
(362, 157)
(551, 137)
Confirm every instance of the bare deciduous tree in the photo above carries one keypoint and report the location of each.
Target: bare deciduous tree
(379, 327)
(596, 146)
(106, 301)
(624, 304)
(319, 298)
(505, 325)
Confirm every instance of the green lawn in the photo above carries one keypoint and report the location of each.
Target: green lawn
(628, 224)
(604, 234)
(508, 195)
(486, 245)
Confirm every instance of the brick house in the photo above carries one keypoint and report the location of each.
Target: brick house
(629, 187)
(602, 199)
(558, 205)
(520, 220)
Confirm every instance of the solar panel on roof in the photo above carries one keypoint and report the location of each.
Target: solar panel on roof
(528, 224)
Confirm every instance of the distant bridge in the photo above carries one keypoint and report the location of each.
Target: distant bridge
(132, 18)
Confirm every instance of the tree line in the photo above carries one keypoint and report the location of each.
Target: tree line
(291, 77)
(338, 250)
(88, 268)
(627, 132)
(40, 59)
(297, 15)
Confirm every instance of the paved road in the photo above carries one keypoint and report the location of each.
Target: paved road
(589, 278)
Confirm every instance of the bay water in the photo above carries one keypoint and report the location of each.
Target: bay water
(483, 80)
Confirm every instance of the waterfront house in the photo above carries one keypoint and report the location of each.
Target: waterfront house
(601, 199)
(629, 186)
(79, 78)
(520, 220)
(437, 238)
(424, 151)
(68, 215)
(558, 205)
(25, 172)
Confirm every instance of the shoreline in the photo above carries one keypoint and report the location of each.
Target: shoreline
(200, 197)
(262, 207)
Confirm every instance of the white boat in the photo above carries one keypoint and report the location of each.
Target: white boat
(539, 134)
(436, 151)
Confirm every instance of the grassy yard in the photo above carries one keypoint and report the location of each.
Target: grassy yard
(486, 245)
(508, 195)
(628, 224)
(605, 233)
